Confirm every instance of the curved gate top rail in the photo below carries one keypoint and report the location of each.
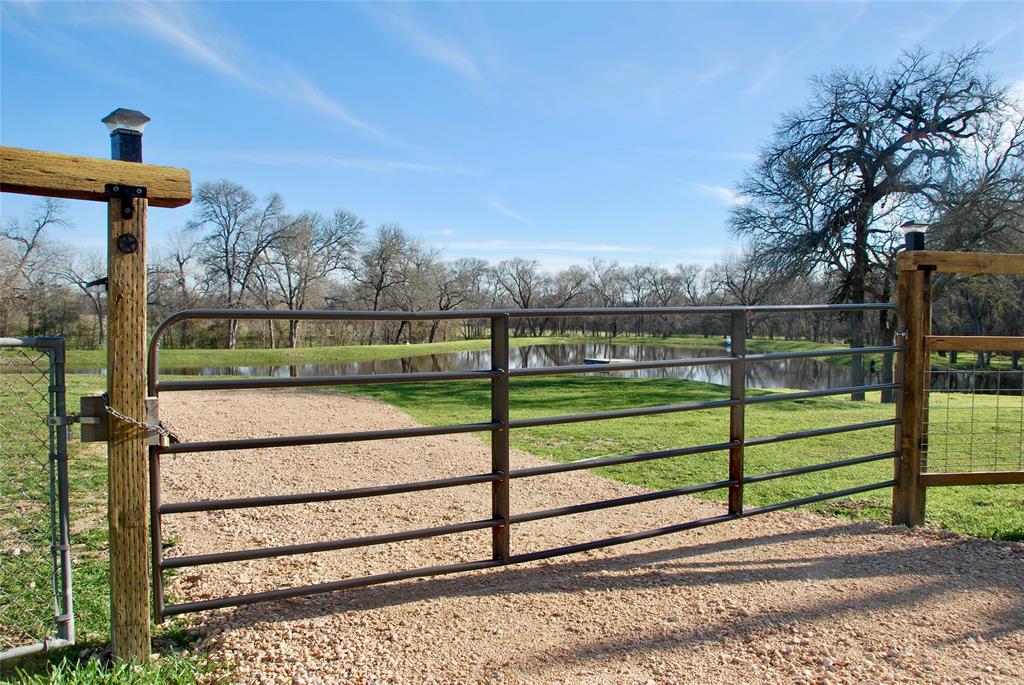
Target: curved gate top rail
(500, 474)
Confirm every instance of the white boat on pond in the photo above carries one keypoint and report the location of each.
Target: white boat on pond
(606, 360)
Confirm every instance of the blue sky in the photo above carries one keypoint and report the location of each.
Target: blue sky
(552, 131)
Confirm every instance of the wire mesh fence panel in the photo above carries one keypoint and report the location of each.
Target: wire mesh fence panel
(975, 415)
(34, 608)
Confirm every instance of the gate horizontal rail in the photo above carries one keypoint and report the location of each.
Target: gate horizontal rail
(499, 427)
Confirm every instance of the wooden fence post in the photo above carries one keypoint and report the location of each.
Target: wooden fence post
(127, 450)
(914, 297)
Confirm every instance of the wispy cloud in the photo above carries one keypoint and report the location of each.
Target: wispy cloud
(446, 52)
(324, 161)
(770, 69)
(496, 203)
(199, 36)
(726, 195)
(807, 48)
(929, 25)
(1004, 31)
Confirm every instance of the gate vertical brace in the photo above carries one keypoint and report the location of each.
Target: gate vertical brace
(500, 506)
(65, 619)
(737, 392)
(156, 535)
(127, 450)
(914, 297)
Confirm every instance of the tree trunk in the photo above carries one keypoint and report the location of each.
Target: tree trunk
(886, 337)
(293, 333)
(858, 287)
(232, 333)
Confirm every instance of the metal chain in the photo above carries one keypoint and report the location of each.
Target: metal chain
(142, 424)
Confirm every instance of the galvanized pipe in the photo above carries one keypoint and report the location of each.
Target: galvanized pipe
(618, 414)
(500, 494)
(329, 496)
(621, 539)
(812, 354)
(311, 547)
(316, 381)
(817, 432)
(319, 588)
(761, 477)
(325, 438)
(790, 396)
(330, 315)
(819, 498)
(619, 501)
(737, 413)
(596, 462)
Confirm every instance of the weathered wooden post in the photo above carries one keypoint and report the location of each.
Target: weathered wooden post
(914, 298)
(128, 188)
(127, 449)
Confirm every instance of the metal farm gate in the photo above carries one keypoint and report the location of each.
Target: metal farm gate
(35, 557)
(498, 474)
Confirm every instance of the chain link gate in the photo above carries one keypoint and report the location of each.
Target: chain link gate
(35, 558)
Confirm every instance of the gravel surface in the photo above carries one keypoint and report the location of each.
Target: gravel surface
(791, 597)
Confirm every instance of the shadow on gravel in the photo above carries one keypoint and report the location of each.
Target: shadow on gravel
(923, 571)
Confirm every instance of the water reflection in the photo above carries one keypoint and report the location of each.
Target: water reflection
(806, 374)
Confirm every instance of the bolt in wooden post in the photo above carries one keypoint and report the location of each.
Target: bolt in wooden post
(914, 297)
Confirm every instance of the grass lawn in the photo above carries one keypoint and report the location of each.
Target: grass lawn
(90, 575)
(986, 511)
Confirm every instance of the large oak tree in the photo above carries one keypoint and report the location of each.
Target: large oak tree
(871, 149)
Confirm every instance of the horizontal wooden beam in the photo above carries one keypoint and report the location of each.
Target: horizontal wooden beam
(974, 343)
(930, 480)
(1006, 264)
(33, 172)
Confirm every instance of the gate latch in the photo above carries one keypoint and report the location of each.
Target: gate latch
(96, 414)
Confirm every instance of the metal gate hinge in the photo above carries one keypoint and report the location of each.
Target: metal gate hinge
(126, 194)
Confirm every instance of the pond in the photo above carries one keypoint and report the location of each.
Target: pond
(805, 374)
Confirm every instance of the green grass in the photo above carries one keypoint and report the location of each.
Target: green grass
(986, 511)
(167, 670)
(87, 466)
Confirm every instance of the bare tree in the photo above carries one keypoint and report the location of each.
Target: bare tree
(307, 251)
(834, 182)
(235, 231)
(521, 280)
(22, 253)
(81, 270)
(380, 267)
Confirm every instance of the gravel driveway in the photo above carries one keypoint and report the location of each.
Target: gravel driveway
(790, 597)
